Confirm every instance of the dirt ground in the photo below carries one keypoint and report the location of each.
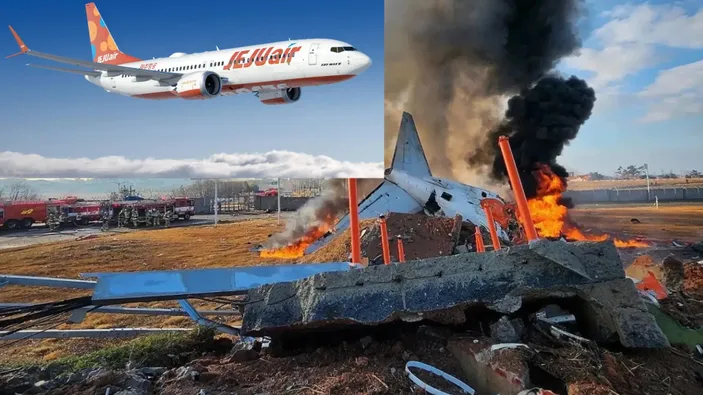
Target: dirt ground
(669, 221)
(229, 245)
(377, 367)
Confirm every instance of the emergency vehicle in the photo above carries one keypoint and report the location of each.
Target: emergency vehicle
(22, 214)
(183, 207)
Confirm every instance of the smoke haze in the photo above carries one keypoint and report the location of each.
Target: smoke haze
(453, 63)
(325, 209)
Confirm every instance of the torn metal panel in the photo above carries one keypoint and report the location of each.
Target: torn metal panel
(113, 288)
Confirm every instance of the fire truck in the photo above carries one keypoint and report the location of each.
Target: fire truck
(22, 214)
(76, 211)
(268, 192)
(183, 207)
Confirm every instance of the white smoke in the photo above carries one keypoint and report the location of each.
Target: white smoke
(283, 164)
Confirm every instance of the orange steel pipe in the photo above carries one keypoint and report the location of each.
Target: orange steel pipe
(492, 228)
(401, 250)
(385, 245)
(354, 222)
(479, 241)
(515, 182)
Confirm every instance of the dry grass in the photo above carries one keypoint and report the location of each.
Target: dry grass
(175, 248)
(634, 184)
(229, 245)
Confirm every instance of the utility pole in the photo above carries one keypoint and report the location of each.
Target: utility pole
(278, 193)
(646, 174)
(216, 182)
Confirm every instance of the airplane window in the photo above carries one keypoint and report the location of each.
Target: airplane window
(446, 196)
(335, 49)
(349, 49)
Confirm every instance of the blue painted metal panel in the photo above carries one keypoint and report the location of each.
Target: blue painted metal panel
(112, 288)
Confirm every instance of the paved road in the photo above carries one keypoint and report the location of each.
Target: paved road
(40, 234)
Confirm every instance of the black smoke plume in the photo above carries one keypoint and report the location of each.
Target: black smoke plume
(331, 205)
(540, 121)
(451, 63)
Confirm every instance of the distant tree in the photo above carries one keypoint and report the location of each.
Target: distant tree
(19, 191)
(595, 176)
(694, 174)
(630, 172)
(668, 176)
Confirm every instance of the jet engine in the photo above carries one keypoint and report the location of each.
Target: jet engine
(200, 85)
(281, 96)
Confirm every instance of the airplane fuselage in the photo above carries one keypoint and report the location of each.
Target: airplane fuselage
(451, 197)
(266, 67)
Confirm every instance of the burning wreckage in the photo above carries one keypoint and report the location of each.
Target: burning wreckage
(507, 272)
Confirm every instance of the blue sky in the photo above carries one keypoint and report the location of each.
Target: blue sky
(58, 115)
(645, 61)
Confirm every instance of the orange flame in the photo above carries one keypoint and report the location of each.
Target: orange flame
(297, 248)
(551, 217)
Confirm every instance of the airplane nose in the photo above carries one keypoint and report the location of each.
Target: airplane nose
(362, 63)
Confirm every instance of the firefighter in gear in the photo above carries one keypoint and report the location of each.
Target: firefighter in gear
(154, 217)
(52, 220)
(135, 217)
(105, 216)
(167, 217)
(127, 213)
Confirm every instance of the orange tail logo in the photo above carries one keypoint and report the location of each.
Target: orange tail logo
(102, 44)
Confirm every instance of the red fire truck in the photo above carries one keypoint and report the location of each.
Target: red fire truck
(268, 192)
(22, 214)
(183, 207)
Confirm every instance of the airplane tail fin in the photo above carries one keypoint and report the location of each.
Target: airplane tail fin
(409, 156)
(104, 48)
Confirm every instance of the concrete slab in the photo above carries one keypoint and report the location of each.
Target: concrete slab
(441, 289)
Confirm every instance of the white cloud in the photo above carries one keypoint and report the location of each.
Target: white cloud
(631, 42)
(282, 164)
(665, 24)
(687, 78)
(675, 92)
(613, 63)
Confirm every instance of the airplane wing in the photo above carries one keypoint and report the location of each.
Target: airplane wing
(65, 70)
(131, 71)
(386, 198)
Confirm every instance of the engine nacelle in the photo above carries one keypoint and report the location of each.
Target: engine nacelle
(281, 96)
(199, 86)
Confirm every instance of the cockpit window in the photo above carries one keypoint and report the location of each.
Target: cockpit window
(342, 49)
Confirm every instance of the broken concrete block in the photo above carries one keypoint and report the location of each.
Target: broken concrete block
(502, 371)
(503, 331)
(442, 289)
(613, 312)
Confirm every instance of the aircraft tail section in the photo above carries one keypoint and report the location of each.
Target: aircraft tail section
(409, 156)
(104, 48)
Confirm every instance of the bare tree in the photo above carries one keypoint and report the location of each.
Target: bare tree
(22, 191)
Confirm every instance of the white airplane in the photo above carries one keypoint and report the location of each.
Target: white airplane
(275, 72)
(409, 187)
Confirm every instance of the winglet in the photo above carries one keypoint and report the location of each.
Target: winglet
(23, 48)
